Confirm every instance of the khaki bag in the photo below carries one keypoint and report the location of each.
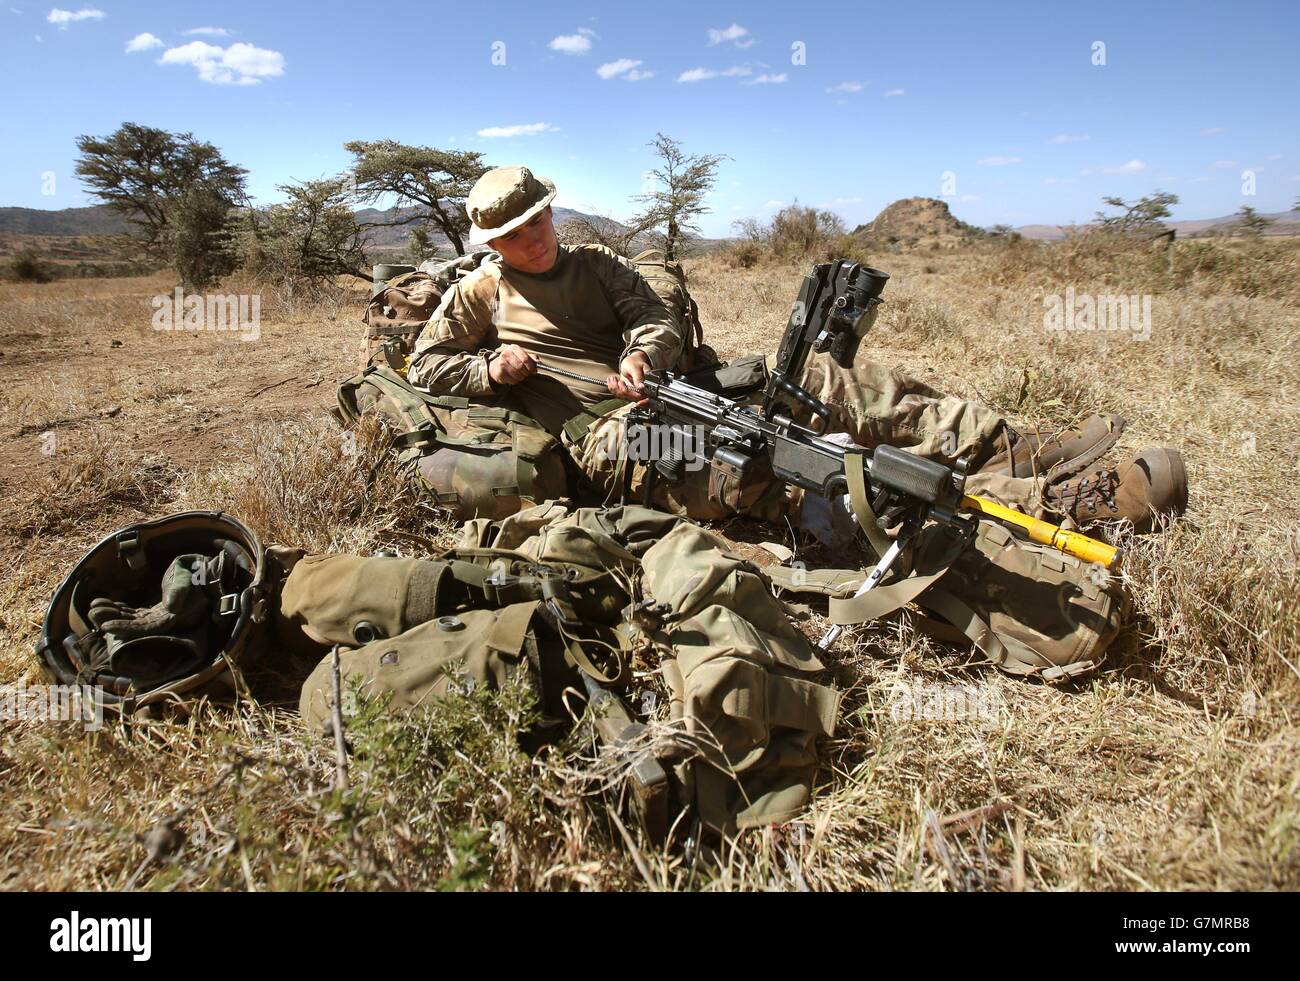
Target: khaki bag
(398, 311)
(668, 279)
(1030, 609)
(468, 649)
(741, 684)
(394, 317)
(558, 585)
(473, 460)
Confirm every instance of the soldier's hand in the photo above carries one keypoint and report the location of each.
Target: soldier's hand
(631, 373)
(511, 365)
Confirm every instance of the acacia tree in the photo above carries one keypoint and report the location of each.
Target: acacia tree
(435, 182)
(684, 179)
(1143, 215)
(309, 239)
(1250, 222)
(605, 231)
(176, 190)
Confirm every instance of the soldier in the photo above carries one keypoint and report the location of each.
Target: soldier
(588, 311)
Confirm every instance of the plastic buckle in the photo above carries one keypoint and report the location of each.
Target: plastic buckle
(128, 548)
(229, 605)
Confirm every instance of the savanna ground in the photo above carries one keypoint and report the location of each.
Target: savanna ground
(1174, 767)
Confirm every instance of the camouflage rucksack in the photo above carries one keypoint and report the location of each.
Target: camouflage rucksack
(668, 279)
(473, 460)
(400, 308)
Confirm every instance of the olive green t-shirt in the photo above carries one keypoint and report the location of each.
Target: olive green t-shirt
(585, 315)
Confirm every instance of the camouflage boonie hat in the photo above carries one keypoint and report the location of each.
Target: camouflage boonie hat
(503, 199)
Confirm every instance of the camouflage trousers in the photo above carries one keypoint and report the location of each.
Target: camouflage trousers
(873, 404)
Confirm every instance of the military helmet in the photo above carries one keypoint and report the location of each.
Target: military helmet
(157, 609)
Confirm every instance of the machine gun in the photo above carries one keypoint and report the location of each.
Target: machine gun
(837, 304)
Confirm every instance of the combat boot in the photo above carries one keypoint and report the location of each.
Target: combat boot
(1050, 454)
(1153, 483)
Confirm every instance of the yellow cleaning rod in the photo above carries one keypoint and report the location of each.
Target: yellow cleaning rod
(1046, 533)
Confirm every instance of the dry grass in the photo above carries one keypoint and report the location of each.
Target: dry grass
(1173, 768)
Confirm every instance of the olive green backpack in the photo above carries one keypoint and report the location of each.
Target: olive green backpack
(558, 594)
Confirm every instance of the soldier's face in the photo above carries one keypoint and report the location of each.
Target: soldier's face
(532, 247)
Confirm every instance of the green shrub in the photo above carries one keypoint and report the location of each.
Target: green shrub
(27, 267)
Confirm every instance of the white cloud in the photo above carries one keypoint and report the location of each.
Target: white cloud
(239, 64)
(636, 75)
(996, 161)
(1068, 138)
(612, 69)
(1132, 167)
(1051, 180)
(587, 31)
(65, 17)
(892, 93)
(1212, 131)
(524, 129)
(736, 34)
(208, 31)
(1225, 164)
(571, 44)
(847, 87)
(1274, 156)
(143, 42)
(767, 79)
(701, 74)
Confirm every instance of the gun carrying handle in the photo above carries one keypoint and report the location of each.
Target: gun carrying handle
(801, 395)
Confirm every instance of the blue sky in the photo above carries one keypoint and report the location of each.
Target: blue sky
(999, 108)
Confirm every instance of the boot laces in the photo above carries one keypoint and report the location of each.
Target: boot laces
(1101, 485)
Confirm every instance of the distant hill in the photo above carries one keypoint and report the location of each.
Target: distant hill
(100, 220)
(1285, 223)
(97, 220)
(398, 236)
(919, 223)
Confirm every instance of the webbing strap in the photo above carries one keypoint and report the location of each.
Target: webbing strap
(970, 623)
(429, 435)
(578, 427)
(511, 627)
(882, 600)
(1008, 653)
(826, 582)
(525, 471)
(935, 555)
(385, 378)
(797, 704)
(614, 640)
(855, 471)
(501, 414)
(412, 327)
